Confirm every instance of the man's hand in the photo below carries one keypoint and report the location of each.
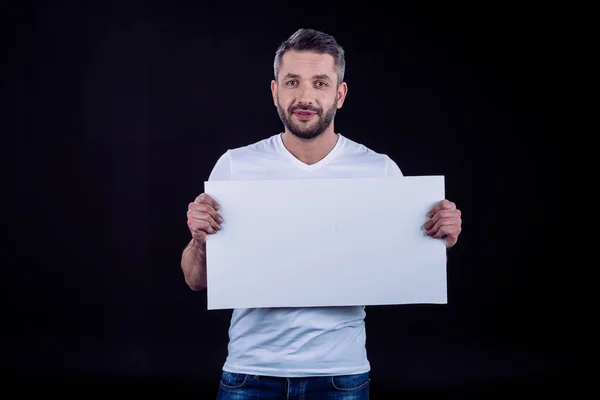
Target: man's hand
(444, 222)
(203, 219)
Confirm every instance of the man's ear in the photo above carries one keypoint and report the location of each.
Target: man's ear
(341, 94)
(274, 91)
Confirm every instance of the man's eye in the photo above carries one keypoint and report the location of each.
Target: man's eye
(321, 84)
(291, 83)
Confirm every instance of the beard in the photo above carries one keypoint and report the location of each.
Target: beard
(310, 129)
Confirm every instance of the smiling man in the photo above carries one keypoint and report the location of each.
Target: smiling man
(312, 99)
(299, 353)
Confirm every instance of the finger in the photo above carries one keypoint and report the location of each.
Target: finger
(445, 231)
(205, 208)
(200, 214)
(206, 199)
(442, 222)
(442, 214)
(442, 205)
(197, 225)
(194, 216)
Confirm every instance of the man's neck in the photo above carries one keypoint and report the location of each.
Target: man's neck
(310, 151)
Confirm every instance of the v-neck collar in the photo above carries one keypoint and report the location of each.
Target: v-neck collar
(328, 157)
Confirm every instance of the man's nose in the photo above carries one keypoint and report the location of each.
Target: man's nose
(306, 95)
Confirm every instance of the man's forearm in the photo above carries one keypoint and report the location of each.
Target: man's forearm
(193, 264)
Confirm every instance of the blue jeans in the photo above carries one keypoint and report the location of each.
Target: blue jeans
(250, 387)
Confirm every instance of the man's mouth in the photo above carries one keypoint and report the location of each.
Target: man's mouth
(304, 115)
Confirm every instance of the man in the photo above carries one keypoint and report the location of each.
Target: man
(309, 353)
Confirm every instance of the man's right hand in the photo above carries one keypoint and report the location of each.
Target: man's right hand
(202, 218)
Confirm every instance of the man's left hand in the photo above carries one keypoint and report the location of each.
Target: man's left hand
(444, 222)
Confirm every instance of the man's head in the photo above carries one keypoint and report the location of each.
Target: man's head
(309, 82)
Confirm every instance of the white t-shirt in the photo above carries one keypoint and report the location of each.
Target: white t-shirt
(298, 342)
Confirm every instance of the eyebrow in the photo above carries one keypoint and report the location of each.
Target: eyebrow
(296, 76)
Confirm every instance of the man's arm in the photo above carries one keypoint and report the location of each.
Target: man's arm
(203, 220)
(193, 264)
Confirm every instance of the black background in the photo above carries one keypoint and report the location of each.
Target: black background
(115, 112)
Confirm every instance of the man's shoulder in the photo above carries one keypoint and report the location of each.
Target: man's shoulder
(354, 148)
(359, 153)
(244, 157)
(260, 147)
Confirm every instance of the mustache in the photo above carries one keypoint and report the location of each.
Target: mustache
(317, 111)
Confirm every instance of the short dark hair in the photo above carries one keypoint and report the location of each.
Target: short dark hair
(315, 41)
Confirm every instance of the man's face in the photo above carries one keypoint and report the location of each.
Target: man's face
(306, 93)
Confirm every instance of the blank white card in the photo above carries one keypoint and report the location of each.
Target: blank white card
(325, 242)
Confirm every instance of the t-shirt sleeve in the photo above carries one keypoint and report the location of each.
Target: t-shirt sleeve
(222, 169)
(391, 168)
